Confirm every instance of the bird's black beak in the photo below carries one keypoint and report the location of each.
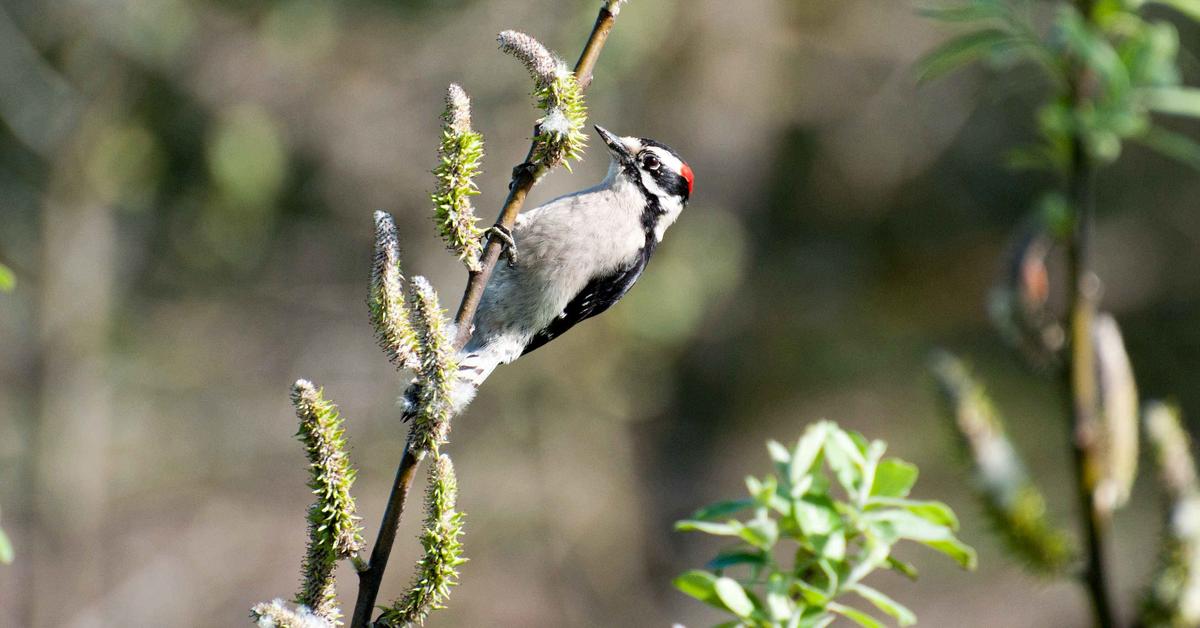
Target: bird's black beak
(614, 143)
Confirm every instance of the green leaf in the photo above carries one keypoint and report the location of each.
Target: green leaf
(853, 446)
(733, 597)
(832, 546)
(915, 528)
(807, 450)
(905, 569)
(1190, 8)
(894, 478)
(877, 551)
(962, 50)
(962, 553)
(1097, 52)
(700, 585)
(812, 595)
(721, 510)
(855, 615)
(779, 605)
(779, 453)
(6, 549)
(862, 444)
(8, 280)
(1172, 145)
(844, 458)
(831, 575)
(761, 533)
(819, 620)
(816, 515)
(734, 557)
(731, 528)
(765, 491)
(886, 604)
(967, 13)
(931, 511)
(909, 526)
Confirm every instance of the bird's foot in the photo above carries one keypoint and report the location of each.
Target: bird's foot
(505, 235)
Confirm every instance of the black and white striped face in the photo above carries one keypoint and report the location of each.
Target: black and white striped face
(658, 171)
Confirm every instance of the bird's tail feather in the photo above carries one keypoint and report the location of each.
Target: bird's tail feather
(473, 368)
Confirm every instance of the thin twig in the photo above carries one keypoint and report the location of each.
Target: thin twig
(1081, 372)
(525, 176)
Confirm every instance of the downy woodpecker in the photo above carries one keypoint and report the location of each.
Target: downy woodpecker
(574, 258)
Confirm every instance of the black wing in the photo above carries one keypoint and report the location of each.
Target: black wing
(598, 295)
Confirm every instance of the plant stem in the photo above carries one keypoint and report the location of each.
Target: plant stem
(524, 178)
(370, 579)
(1081, 370)
(1081, 382)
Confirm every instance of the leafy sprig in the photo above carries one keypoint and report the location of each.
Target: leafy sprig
(836, 505)
(1132, 62)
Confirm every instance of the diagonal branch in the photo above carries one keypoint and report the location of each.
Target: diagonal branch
(525, 176)
(1080, 375)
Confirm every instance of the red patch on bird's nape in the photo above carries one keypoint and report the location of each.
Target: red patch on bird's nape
(686, 172)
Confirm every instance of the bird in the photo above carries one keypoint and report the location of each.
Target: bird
(572, 259)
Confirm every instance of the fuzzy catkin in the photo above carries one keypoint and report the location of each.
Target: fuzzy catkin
(389, 316)
(441, 538)
(334, 533)
(435, 373)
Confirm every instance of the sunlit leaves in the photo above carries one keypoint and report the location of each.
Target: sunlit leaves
(1111, 70)
(835, 507)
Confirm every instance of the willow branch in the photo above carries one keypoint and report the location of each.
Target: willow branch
(1081, 372)
(525, 176)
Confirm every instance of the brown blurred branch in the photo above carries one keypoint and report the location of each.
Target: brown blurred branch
(1081, 359)
(525, 176)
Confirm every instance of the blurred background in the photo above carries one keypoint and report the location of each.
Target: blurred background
(186, 189)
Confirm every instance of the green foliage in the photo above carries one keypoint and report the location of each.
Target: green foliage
(1130, 63)
(437, 570)
(834, 506)
(458, 163)
(334, 533)
(1011, 499)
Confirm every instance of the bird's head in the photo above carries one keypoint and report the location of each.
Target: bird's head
(656, 170)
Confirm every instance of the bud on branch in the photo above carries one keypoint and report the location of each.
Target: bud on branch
(458, 163)
(333, 529)
(559, 136)
(388, 314)
(431, 424)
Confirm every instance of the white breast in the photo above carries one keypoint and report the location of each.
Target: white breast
(561, 246)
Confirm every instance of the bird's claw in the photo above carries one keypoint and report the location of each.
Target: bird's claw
(505, 235)
(524, 169)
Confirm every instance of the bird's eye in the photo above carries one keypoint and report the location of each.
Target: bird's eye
(650, 162)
